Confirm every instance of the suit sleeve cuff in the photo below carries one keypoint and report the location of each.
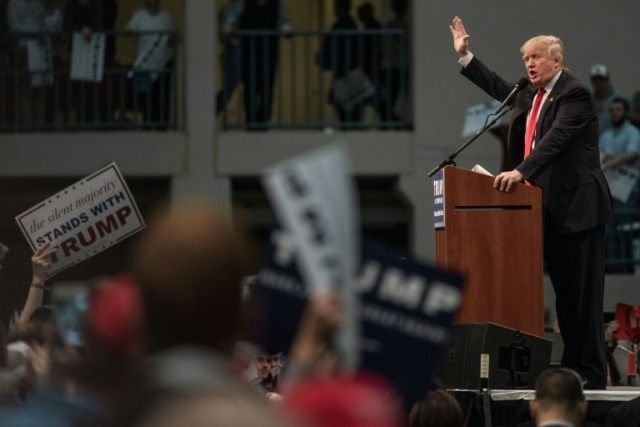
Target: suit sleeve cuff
(525, 173)
(465, 60)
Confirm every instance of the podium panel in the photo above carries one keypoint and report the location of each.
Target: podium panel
(495, 240)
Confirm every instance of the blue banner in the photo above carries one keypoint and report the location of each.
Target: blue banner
(407, 308)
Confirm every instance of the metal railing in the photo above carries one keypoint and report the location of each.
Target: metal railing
(623, 243)
(42, 86)
(352, 79)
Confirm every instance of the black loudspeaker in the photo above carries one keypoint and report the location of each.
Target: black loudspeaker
(515, 358)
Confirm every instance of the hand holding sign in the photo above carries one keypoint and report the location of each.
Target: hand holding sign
(312, 347)
(40, 263)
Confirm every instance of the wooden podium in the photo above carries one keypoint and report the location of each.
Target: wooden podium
(495, 240)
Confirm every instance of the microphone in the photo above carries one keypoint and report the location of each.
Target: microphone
(522, 83)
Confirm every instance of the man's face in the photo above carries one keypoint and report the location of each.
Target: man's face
(263, 364)
(617, 113)
(540, 67)
(275, 365)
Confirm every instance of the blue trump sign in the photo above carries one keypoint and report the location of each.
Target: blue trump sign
(406, 312)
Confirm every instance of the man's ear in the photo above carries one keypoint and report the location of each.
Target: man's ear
(533, 407)
(582, 409)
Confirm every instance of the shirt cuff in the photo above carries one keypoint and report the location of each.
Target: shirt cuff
(464, 61)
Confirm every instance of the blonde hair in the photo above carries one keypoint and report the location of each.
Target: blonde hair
(552, 44)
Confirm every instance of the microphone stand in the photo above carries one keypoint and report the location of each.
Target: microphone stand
(450, 160)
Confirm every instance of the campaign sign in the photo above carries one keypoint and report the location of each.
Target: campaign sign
(313, 197)
(87, 57)
(279, 296)
(477, 116)
(622, 181)
(407, 308)
(438, 200)
(84, 219)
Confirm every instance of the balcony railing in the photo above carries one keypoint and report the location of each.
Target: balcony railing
(47, 83)
(623, 243)
(352, 79)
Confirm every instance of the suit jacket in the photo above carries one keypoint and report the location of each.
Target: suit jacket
(626, 414)
(565, 161)
(584, 424)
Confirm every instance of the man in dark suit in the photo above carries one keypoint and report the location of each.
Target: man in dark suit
(553, 144)
(626, 414)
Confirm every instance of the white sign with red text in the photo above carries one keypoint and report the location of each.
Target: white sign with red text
(84, 219)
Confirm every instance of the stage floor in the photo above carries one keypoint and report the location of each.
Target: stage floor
(610, 394)
(511, 407)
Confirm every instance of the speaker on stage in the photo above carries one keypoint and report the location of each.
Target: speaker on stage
(515, 358)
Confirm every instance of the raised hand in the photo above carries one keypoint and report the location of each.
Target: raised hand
(460, 36)
(311, 348)
(40, 261)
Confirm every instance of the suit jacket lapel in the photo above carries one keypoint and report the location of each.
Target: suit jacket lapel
(523, 104)
(548, 102)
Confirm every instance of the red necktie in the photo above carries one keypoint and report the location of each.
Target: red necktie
(532, 122)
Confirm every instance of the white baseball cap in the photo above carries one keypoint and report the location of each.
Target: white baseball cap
(599, 70)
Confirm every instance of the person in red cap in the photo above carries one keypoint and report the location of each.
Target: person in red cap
(348, 401)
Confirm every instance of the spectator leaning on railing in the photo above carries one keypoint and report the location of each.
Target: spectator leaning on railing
(230, 57)
(259, 56)
(153, 55)
(86, 17)
(24, 18)
(51, 80)
(393, 107)
(340, 54)
(371, 44)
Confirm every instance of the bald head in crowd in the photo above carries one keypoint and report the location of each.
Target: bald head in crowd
(189, 263)
(559, 398)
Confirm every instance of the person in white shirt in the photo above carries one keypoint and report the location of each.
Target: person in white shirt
(153, 62)
(620, 145)
(53, 40)
(24, 18)
(52, 17)
(149, 18)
